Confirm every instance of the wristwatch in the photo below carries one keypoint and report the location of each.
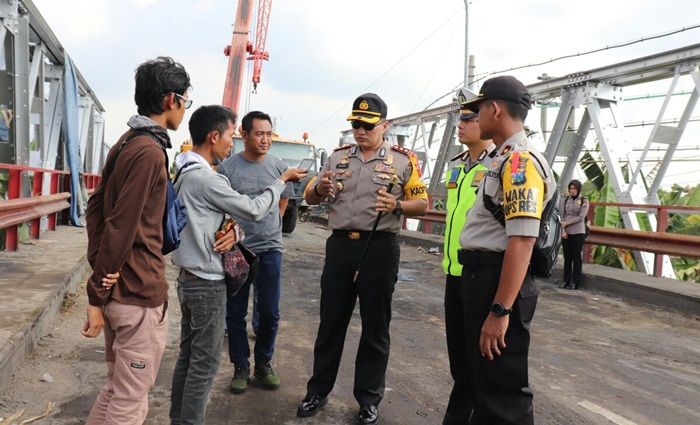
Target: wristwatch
(398, 210)
(498, 310)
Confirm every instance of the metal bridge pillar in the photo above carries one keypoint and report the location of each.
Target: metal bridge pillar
(602, 113)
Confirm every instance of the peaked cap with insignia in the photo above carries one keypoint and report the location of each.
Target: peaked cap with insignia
(368, 108)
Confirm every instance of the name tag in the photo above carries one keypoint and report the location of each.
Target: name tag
(478, 177)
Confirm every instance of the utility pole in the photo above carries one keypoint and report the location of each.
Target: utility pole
(466, 42)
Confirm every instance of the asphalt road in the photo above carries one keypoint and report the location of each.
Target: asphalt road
(594, 359)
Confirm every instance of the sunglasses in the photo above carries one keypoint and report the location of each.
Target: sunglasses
(357, 124)
(188, 102)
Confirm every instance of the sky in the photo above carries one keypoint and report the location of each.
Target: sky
(323, 54)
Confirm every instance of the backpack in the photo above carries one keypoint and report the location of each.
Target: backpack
(546, 249)
(174, 216)
(586, 222)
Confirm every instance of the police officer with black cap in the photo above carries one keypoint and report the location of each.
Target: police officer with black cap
(356, 181)
(464, 173)
(497, 282)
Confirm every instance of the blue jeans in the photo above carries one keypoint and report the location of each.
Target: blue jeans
(202, 305)
(268, 301)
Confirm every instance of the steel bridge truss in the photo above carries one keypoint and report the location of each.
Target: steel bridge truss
(32, 104)
(598, 93)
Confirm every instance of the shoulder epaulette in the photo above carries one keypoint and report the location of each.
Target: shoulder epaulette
(403, 150)
(340, 148)
(459, 156)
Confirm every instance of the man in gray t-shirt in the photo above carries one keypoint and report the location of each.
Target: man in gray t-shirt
(250, 172)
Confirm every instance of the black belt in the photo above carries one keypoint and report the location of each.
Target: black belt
(357, 235)
(468, 257)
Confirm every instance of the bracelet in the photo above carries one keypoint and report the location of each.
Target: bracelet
(316, 191)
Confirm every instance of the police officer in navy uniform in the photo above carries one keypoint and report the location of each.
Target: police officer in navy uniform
(497, 283)
(354, 182)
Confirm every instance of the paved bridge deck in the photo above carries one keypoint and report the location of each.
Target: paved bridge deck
(595, 358)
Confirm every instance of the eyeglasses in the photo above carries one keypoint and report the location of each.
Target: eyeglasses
(357, 124)
(188, 102)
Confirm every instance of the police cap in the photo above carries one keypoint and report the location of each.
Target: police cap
(368, 108)
(505, 87)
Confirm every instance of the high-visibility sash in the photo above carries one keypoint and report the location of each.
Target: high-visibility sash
(461, 194)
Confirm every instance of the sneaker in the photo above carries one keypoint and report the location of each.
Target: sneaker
(266, 376)
(239, 382)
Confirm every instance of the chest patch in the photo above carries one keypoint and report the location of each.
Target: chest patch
(384, 168)
(454, 175)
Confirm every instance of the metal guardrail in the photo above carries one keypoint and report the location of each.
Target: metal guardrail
(659, 243)
(17, 210)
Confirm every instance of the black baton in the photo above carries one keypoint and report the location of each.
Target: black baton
(369, 238)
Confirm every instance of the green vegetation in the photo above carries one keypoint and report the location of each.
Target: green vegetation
(597, 188)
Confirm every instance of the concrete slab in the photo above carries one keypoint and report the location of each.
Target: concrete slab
(593, 357)
(33, 283)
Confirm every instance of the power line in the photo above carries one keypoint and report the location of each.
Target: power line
(572, 55)
(453, 15)
(444, 53)
(600, 49)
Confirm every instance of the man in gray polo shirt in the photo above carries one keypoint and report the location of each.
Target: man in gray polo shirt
(250, 172)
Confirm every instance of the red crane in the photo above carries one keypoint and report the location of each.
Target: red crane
(240, 46)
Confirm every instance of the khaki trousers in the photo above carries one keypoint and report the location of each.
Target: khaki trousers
(135, 339)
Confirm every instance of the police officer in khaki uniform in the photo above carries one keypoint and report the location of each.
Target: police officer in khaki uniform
(464, 173)
(497, 283)
(354, 182)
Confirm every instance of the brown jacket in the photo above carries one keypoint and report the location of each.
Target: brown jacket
(125, 225)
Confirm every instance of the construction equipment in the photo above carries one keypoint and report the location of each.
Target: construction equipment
(240, 45)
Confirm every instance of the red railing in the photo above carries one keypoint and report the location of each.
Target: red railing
(659, 242)
(16, 210)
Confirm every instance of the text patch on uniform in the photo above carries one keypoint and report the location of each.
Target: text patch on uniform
(414, 187)
(523, 187)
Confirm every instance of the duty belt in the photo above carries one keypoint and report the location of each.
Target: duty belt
(357, 235)
(485, 258)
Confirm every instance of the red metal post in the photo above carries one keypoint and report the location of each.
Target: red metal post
(661, 227)
(53, 189)
(13, 192)
(35, 228)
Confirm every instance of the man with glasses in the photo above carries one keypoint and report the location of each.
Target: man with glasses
(464, 173)
(355, 183)
(127, 291)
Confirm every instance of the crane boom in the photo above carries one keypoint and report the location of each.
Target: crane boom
(236, 55)
(258, 54)
(240, 46)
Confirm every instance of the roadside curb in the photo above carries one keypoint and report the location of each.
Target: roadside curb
(637, 288)
(24, 340)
